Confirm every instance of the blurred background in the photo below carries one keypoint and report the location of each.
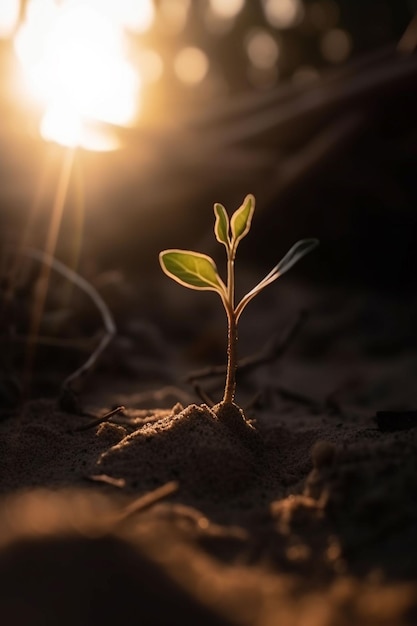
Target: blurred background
(123, 121)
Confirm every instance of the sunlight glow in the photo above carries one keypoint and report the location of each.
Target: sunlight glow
(75, 64)
(135, 15)
(62, 124)
(151, 65)
(173, 15)
(9, 13)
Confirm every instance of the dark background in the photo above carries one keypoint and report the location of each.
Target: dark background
(329, 153)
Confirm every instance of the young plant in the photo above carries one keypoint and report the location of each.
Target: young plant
(199, 271)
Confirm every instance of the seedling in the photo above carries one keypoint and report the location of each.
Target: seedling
(199, 271)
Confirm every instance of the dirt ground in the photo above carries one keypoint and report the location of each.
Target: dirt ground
(165, 514)
(131, 501)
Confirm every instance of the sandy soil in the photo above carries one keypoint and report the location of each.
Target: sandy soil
(304, 516)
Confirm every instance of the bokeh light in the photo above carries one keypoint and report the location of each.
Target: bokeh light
(283, 13)
(336, 45)
(262, 49)
(191, 65)
(226, 9)
(127, 62)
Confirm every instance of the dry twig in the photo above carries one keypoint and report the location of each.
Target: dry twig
(92, 293)
(272, 350)
(149, 499)
(99, 420)
(204, 396)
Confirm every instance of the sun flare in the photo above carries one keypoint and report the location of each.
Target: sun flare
(75, 65)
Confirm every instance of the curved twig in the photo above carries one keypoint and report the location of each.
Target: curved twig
(92, 293)
(99, 420)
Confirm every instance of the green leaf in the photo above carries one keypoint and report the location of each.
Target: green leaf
(241, 219)
(191, 269)
(221, 226)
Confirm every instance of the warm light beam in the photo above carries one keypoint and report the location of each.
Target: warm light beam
(41, 290)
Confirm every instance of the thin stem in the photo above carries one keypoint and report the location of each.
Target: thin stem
(230, 385)
(231, 278)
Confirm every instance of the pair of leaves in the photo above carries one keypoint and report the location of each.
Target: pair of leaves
(199, 271)
(231, 234)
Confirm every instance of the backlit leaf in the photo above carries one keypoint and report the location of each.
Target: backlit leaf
(221, 226)
(294, 254)
(191, 269)
(241, 219)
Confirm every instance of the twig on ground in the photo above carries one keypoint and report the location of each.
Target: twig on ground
(81, 344)
(159, 397)
(138, 505)
(147, 500)
(204, 396)
(332, 403)
(272, 350)
(98, 421)
(206, 372)
(299, 398)
(84, 285)
(408, 42)
(105, 479)
(254, 401)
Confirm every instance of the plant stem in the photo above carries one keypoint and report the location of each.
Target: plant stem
(230, 385)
